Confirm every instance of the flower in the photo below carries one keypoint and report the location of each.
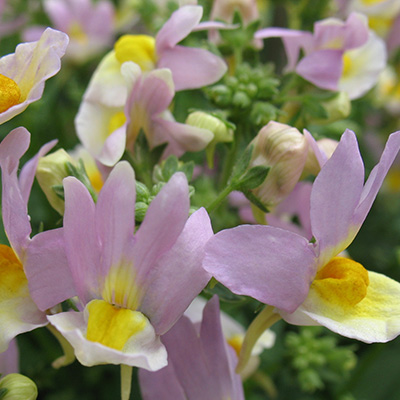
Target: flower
(201, 364)
(306, 281)
(23, 73)
(27, 287)
(9, 360)
(107, 131)
(132, 287)
(89, 25)
(339, 56)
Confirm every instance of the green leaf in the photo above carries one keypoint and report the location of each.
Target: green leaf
(170, 167)
(3, 392)
(243, 162)
(254, 200)
(253, 178)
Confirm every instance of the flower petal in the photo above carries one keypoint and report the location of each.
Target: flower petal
(9, 360)
(144, 350)
(192, 68)
(115, 215)
(179, 25)
(81, 242)
(376, 318)
(335, 195)
(46, 267)
(274, 266)
(178, 276)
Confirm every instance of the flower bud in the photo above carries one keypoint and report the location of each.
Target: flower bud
(337, 108)
(284, 149)
(223, 133)
(19, 387)
(326, 146)
(50, 172)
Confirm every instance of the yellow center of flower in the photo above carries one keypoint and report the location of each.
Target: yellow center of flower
(380, 25)
(342, 281)
(112, 326)
(347, 65)
(236, 342)
(76, 32)
(116, 121)
(372, 2)
(12, 275)
(140, 49)
(10, 93)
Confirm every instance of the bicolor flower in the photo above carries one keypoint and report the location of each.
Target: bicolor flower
(132, 287)
(23, 73)
(234, 333)
(32, 267)
(89, 25)
(339, 56)
(200, 363)
(191, 68)
(308, 282)
(107, 131)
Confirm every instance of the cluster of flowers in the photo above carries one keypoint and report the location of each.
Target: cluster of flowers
(129, 262)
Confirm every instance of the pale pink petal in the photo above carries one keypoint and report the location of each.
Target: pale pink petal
(162, 225)
(192, 68)
(376, 177)
(14, 207)
(81, 242)
(9, 360)
(115, 215)
(322, 68)
(274, 266)
(178, 276)
(46, 267)
(179, 25)
(335, 196)
(113, 148)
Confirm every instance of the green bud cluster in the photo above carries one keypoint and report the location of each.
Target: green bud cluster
(247, 86)
(317, 359)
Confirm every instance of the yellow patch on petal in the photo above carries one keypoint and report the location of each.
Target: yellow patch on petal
(140, 49)
(236, 342)
(342, 281)
(120, 288)
(371, 2)
(10, 93)
(380, 25)
(12, 275)
(113, 326)
(116, 121)
(347, 65)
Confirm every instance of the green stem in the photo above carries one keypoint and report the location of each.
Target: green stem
(264, 320)
(266, 383)
(229, 162)
(220, 198)
(126, 381)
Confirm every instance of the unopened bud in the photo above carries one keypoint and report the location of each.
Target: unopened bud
(327, 147)
(50, 172)
(337, 108)
(284, 149)
(223, 133)
(19, 387)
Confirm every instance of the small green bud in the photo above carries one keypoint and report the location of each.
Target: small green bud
(140, 211)
(241, 99)
(50, 172)
(19, 387)
(142, 192)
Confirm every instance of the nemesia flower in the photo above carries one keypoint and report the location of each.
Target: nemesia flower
(27, 288)
(107, 131)
(200, 363)
(284, 149)
(89, 25)
(191, 67)
(132, 287)
(23, 73)
(307, 282)
(234, 333)
(9, 360)
(339, 56)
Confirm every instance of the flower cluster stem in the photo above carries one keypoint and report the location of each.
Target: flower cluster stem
(126, 381)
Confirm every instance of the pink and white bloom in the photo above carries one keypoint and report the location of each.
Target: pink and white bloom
(32, 267)
(107, 131)
(306, 281)
(23, 73)
(201, 365)
(339, 56)
(132, 287)
(191, 68)
(89, 25)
